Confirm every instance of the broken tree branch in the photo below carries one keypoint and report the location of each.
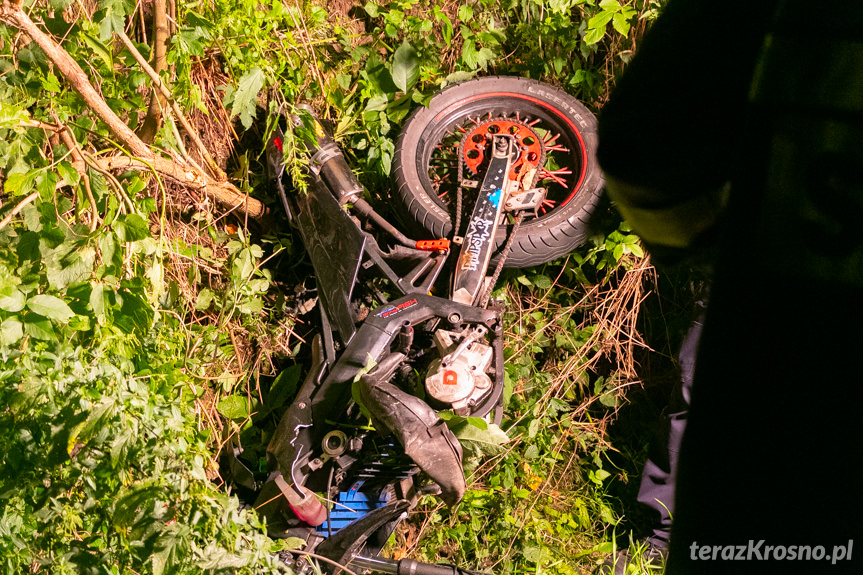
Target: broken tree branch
(69, 141)
(222, 191)
(153, 120)
(15, 16)
(178, 113)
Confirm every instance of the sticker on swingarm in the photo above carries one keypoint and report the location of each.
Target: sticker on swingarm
(479, 240)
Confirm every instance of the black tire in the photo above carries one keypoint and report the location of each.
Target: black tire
(538, 240)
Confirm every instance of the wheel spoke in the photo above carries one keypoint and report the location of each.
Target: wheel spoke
(554, 175)
(549, 139)
(557, 148)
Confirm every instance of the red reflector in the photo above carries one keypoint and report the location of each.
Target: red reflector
(278, 143)
(433, 245)
(450, 377)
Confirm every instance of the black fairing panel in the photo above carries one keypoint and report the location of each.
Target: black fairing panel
(335, 245)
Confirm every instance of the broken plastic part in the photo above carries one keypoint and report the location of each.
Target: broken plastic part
(425, 437)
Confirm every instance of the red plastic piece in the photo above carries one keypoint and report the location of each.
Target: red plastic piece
(450, 377)
(306, 507)
(433, 245)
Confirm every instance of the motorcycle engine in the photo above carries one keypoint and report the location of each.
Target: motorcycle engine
(459, 377)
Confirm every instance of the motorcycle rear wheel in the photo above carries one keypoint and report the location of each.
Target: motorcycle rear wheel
(426, 166)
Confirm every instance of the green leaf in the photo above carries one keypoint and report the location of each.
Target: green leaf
(99, 48)
(406, 67)
(189, 41)
(204, 299)
(599, 476)
(377, 103)
(487, 440)
(284, 387)
(234, 407)
(372, 9)
(610, 5)
(96, 419)
(533, 428)
(108, 247)
(114, 19)
(446, 24)
(250, 306)
(465, 12)
(135, 314)
(69, 174)
(12, 300)
(69, 264)
(344, 81)
(131, 228)
(542, 282)
(11, 330)
(536, 554)
(18, 184)
(50, 83)
(476, 58)
(478, 422)
(287, 544)
(156, 275)
(560, 6)
(600, 20)
(245, 99)
(97, 302)
(459, 76)
(11, 115)
(39, 327)
(621, 23)
(50, 307)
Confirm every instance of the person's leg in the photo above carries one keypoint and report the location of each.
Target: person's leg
(660, 471)
(658, 479)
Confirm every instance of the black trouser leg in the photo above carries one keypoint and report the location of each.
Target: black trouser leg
(660, 470)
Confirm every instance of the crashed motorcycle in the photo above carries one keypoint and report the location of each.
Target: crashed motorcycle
(496, 172)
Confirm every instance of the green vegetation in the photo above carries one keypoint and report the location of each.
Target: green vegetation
(143, 323)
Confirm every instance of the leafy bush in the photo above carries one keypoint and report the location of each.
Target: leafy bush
(105, 462)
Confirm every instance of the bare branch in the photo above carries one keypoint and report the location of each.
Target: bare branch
(153, 120)
(17, 209)
(178, 113)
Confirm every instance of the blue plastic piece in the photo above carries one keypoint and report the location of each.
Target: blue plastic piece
(352, 505)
